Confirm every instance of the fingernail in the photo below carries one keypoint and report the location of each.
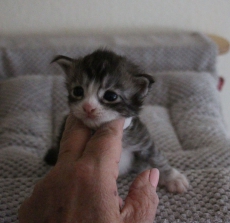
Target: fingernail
(154, 177)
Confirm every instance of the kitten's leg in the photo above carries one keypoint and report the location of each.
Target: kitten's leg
(52, 154)
(139, 140)
(170, 177)
(126, 160)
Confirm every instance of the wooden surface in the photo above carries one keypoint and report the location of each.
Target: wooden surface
(222, 43)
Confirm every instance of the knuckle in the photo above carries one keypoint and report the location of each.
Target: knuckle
(84, 170)
(148, 196)
(152, 197)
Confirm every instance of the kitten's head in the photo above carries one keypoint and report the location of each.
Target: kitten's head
(104, 86)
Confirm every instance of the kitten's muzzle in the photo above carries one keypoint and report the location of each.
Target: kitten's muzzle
(89, 110)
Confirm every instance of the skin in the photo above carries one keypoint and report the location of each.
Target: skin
(82, 185)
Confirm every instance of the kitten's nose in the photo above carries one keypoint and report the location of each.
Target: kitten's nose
(88, 108)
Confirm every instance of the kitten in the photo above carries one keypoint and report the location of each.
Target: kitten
(104, 86)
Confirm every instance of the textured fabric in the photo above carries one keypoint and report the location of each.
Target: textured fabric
(158, 52)
(183, 116)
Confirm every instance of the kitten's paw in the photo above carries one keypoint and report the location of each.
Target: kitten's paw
(176, 182)
(51, 156)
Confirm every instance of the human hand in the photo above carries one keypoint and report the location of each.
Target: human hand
(82, 185)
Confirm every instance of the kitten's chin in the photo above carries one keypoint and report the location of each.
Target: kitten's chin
(95, 123)
(96, 120)
(92, 124)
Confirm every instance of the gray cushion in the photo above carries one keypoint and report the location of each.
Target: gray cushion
(183, 116)
(191, 136)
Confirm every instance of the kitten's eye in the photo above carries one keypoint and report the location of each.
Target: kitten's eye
(110, 96)
(78, 92)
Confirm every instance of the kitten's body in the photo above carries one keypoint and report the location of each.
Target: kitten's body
(102, 87)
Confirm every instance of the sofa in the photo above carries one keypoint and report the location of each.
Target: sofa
(183, 114)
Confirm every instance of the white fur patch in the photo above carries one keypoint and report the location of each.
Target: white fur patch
(125, 161)
(127, 122)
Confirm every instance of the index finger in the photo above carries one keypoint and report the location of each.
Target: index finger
(74, 139)
(106, 143)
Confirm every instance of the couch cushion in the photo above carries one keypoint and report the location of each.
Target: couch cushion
(185, 121)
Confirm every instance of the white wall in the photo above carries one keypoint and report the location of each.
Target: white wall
(20, 17)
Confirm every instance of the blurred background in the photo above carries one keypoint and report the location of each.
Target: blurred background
(68, 17)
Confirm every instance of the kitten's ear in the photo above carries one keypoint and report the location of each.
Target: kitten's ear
(64, 62)
(144, 82)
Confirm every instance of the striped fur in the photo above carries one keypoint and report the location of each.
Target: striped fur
(104, 71)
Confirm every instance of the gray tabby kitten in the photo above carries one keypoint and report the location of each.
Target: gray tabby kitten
(104, 86)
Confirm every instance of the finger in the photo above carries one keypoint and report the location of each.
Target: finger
(120, 202)
(22, 214)
(74, 139)
(142, 200)
(106, 144)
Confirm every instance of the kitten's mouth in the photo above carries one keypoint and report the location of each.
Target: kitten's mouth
(92, 122)
(91, 116)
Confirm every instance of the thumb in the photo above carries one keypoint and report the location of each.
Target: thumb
(142, 200)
